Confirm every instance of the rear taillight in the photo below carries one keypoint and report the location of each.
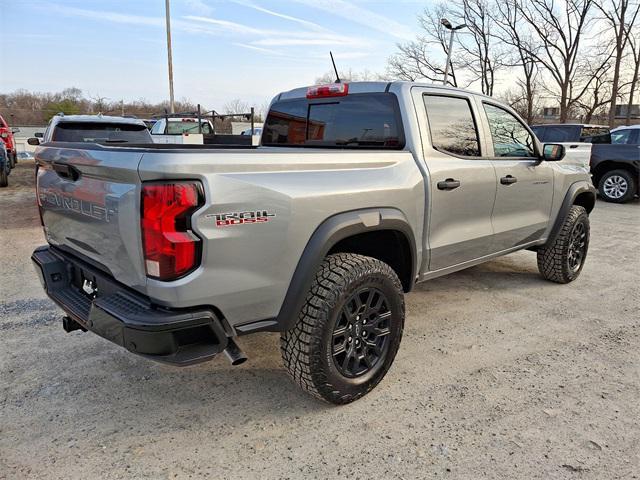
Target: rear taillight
(171, 249)
(331, 90)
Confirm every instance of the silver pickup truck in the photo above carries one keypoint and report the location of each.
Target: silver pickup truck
(357, 192)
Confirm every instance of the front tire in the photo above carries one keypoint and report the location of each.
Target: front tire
(617, 186)
(348, 331)
(562, 260)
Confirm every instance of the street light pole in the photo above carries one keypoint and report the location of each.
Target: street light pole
(169, 59)
(448, 26)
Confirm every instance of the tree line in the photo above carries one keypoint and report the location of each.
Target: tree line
(36, 108)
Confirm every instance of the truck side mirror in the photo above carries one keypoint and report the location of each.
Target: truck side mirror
(553, 152)
(33, 141)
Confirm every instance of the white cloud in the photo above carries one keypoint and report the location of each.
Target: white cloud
(363, 16)
(199, 6)
(301, 21)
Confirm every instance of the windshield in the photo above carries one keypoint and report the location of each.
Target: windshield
(96, 132)
(367, 120)
(187, 126)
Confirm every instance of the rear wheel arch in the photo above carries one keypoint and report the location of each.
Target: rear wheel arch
(356, 231)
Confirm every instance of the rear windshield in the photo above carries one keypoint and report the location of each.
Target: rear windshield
(366, 120)
(96, 132)
(187, 126)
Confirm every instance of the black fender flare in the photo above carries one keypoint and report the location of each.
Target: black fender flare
(576, 189)
(327, 234)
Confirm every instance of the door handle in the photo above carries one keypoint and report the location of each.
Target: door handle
(448, 184)
(66, 171)
(573, 146)
(508, 180)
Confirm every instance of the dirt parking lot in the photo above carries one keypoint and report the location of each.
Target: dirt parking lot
(500, 375)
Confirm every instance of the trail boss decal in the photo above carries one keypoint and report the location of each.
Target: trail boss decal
(241, 218)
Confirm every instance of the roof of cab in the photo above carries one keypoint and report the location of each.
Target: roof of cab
(624, 127)
(377, 86)
(96, 119)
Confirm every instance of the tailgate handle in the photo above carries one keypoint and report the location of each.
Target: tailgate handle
(66, 171)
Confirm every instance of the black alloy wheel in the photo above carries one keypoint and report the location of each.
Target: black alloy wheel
(361, 332)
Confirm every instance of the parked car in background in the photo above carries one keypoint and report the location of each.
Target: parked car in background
(182, 130)
(358, 191)
(5, 166)
(25, 156)
(614, 157)
(94, 129)
(627, 135)
(6, 134)
(256, 131)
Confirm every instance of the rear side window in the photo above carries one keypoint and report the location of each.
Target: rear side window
(509, 135)
(453, 128)
(366, 120)
(95, 132)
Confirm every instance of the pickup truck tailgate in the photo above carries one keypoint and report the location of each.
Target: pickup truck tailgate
(89, 199)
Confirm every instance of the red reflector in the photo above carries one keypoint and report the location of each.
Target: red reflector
(331, 90)
(170, 248)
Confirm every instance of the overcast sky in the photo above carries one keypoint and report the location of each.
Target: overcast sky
(249, 49)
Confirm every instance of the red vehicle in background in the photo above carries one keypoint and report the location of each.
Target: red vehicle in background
(6, 135)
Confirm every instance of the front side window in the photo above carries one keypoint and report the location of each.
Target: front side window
(453, 128)
(510, 137)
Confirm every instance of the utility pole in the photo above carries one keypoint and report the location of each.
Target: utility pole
(169, 59)
(448, 26)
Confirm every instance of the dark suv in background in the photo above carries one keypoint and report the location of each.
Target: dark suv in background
(614, 159)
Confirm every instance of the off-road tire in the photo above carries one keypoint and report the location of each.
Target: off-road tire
(307, 349)
(627, 177)
(554, 258)
(14, 159)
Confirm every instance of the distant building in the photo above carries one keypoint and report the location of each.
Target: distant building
(551, 112)
(621, 111)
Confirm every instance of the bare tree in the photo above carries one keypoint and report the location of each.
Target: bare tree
(634, 44)
(236, 106)
(621, 15)
(559, 34)
(510, 32)
(349, 76)
(599, 93)
(481, 56)
(423, 58)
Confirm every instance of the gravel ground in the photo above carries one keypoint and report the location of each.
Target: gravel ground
(500, 375)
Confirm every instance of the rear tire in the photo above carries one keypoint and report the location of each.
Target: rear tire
(617, 186)
(348, 331)
(562, 260)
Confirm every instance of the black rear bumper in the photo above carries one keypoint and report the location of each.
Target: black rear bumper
(177, 337)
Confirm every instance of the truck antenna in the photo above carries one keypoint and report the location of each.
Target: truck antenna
(334, 68)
